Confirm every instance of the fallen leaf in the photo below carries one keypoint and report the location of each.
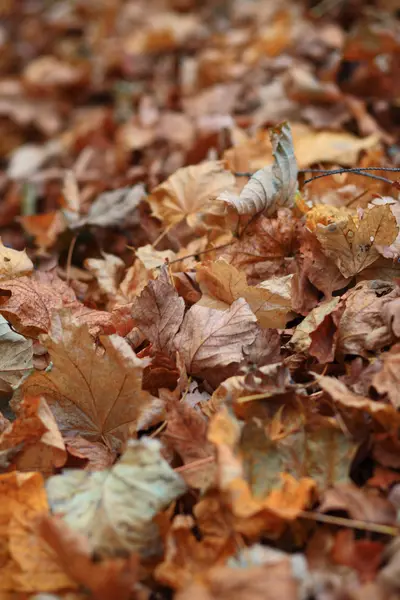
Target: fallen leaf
(13, 263)
(97, 455)
(114, 209)
(352, 244)
(222, 284)
(381, 412)
(387, 379)
(108, 271)
(185, 194)
(115, 508)
(210, 338)
(16, 354)
(301, 339)
(94, 394)
(27, 564)
(36, 430)
(158, 312)
(186, 434)
(358, 504)
(273, 186)
(28, 303)
(106, 579)
(275, 580)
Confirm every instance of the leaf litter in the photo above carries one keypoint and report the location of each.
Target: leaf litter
(200, 339)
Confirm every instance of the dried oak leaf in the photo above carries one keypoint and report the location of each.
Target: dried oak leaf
(211, 339)
(114, 209)
(29, 302)
(16, 354)
(93, 393)
(13, 263)
(42, 447)
(273, 186)
(158, 312)
(186, 193)
(115, 508)
(106, 579)
(352, 242)
(27, 565)
(221, 284)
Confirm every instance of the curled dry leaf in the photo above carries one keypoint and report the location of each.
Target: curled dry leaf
(209, 338)
(158, 312)
(352, 243)
(13, 263)
(387, 379)
(95, 394)
(273, 186)
(186, 193)
(222, 284)
(301, 339)
(115, 508)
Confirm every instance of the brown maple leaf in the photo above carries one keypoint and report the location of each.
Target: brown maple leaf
(93, 393)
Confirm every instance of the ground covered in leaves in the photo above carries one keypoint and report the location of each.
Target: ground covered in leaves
(199, 335)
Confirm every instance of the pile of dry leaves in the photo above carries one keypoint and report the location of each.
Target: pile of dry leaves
(199, 338)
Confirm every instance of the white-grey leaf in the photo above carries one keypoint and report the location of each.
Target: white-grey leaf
(275, 185)
(115, 209)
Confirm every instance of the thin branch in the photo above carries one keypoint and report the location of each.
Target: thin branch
(355, 172)
(353, 523)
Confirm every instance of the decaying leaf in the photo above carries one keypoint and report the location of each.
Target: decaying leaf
(115, 508)
(93, 393)
(273, 186)
(209, 338)
(352, 243)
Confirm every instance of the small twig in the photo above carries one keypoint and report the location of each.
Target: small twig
(69, 257)
(352, 523)
(355, 172)
(176, 260)
(194, 464)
